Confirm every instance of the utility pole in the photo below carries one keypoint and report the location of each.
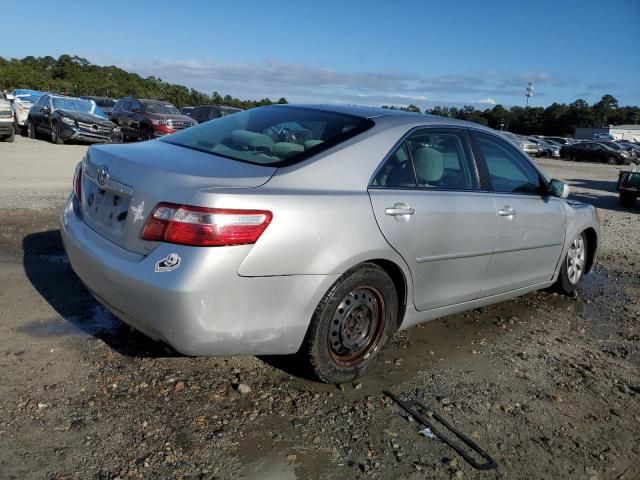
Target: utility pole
(528, 93)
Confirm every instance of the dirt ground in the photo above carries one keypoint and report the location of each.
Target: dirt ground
(547, 385)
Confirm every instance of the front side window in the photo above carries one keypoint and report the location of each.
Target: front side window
(508, 170)
(430, 158)
(274, 135)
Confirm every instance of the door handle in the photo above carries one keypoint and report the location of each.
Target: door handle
(507, 211)
(399, 209)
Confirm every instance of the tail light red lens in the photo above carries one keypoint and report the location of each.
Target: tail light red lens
(199, 226)
(77, 182)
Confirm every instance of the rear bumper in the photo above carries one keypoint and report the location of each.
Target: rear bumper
(201, 308)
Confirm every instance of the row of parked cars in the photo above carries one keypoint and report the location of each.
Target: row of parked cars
(63, 118)
(614, 152)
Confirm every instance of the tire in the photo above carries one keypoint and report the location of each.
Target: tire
(351, 324)
(55, 134)
(571, 157)
(11, 137)
(145, 133)
(31, 129)
(612, 161)
(627, 199)
(573, 265)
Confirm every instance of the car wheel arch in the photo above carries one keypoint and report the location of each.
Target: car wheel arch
(399, 281)
(592, 247)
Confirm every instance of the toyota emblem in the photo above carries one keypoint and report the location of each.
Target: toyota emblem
(103, 175)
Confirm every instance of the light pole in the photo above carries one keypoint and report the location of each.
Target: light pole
(501, 124)
(528, 93)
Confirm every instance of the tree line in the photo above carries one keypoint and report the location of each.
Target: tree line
(77, 76)
(556, 119)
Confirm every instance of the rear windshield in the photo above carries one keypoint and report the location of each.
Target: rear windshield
(274, 135)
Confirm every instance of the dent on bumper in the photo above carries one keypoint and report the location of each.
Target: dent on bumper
(202, 308)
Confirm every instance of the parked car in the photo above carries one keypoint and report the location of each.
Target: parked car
(526, 146)
(105, 103)
(560, 140)
(229, 241)
(7, 132)
(188, 111)
(631, 148)
(594, 152)
(204, 113)
(547, 149)
(63, 118)
(22, 102)
(629, 186)
(144, 119)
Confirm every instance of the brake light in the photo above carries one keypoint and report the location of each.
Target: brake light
(77, 182)
(199, 226)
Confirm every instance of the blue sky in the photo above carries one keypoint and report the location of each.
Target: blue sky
(366, 52)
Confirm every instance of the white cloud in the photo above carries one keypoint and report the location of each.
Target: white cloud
(312, 84)
(486, 100)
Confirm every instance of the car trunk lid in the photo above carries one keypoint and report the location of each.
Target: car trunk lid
(122, 184)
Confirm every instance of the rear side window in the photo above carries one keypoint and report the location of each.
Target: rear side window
(274, 135)
(509, 171)
(431, 159)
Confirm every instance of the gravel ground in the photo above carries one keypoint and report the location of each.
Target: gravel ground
(548, 385)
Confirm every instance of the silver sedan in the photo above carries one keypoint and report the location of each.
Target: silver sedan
(317, 229)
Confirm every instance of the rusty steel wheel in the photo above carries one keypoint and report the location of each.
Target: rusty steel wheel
(351, 324)
(357, 326)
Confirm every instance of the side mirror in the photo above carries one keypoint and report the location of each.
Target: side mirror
(46, 110)
(136, 110)
(558, 188)
(10, 97)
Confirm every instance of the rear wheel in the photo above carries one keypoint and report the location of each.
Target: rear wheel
(627, 199)
(55, 134)
(31, 129)
(574, 265)
(145, 133)
(351, 324)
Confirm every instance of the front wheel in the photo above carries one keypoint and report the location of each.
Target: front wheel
(145, 133)
(351, 324)
(55, 134)
(11, 137)
(31, 129)
(573, 266)
(612, 160)
(627, 199)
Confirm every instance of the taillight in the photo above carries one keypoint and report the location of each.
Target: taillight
(77, 182)
(212, 227)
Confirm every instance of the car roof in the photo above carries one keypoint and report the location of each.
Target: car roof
(397, 117)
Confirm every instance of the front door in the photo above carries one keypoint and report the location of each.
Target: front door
(531, 224)
(428, 205)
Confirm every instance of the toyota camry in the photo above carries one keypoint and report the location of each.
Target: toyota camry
(319, 230)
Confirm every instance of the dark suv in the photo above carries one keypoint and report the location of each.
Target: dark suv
(147, 119)
(63, 118)
(105, 103)
(204, 113)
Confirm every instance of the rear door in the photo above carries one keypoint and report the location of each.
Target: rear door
(531, 224)
(428, 204)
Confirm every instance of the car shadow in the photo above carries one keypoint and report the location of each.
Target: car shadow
(47, 268)
(603, 194)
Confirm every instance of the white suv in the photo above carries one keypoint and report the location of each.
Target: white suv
(7, 133)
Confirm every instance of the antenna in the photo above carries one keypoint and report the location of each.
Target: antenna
(528, 93)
